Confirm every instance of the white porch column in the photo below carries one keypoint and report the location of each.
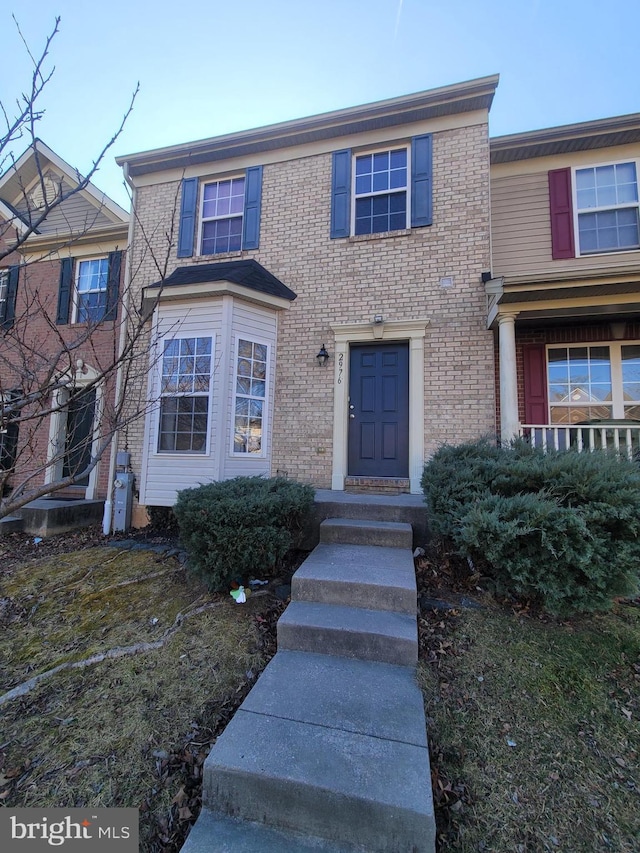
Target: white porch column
(509, 420)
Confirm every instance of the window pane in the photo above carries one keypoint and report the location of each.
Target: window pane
(380, 181)
(399, 158)
(632, 413)
(260, 351)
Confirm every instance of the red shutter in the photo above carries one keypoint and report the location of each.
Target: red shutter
(535, 384)
(561, 210)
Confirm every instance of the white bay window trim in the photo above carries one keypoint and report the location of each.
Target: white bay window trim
(250, 391)
(165, 391)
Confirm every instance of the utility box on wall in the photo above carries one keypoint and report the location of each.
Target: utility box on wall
(123, 501)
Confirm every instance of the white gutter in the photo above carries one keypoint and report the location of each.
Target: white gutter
(124, 319)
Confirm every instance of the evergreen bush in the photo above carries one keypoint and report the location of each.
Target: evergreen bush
(563, 528)
(242, 527)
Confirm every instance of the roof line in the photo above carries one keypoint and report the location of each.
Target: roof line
(73, 175)
(460, 97)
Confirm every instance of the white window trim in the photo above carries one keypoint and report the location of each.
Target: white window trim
(75, 297)
(266, 407)
(158, 396)
(615, 360)
(201, 217)
(379, 150)
(576, 211)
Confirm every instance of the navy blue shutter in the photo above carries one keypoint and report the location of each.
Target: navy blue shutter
(188, 205)
(64, 290)
(421, 183)
(252, 204)
(113, 285)
(8, 314)
(341, 194)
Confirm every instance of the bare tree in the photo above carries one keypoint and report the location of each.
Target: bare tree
(51, 372)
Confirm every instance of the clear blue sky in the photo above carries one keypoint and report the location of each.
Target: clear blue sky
(208, 67)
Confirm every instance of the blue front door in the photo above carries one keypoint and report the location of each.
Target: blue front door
(379, 410)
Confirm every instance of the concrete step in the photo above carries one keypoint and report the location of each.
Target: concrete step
(364, 697)
(355, 531)
(10, 524)
(216, 833)
(342, 786)
(50, 516)
(353, 632)
(337, 504)
(376, 578)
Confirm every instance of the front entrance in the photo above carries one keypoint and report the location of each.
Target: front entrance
(80, 414)
(379, 410)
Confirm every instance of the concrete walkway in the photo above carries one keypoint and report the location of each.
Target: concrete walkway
(329, 751)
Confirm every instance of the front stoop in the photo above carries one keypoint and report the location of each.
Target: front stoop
(328, 752)
(51, 516)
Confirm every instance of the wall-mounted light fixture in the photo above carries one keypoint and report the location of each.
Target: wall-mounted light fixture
(323, 356)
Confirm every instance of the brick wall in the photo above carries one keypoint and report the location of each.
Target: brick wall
(352, 279)
(34, 345)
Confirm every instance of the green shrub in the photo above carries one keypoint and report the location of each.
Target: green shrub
(241, 527)
(563, 528)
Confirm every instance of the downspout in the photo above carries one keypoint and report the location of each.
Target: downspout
(124, 319)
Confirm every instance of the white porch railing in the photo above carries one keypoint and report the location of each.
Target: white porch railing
(621, 438)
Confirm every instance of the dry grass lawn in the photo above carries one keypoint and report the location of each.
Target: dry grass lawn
(535, 730)
(131, 731)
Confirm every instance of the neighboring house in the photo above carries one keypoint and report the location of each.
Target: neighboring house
(565, 293)
(59, 316)
(362, 234)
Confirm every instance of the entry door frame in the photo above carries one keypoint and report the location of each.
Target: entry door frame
(413, 331)
(81, 378)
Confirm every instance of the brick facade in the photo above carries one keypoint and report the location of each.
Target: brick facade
(398, 275)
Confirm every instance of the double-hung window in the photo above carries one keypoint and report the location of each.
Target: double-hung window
(607, 208)
(4, 293)
(222, 216)
(250, 397)
(8, 289)
(383, 190)
(592, 383)
(91, 290)
(380, 192)
(185, 390)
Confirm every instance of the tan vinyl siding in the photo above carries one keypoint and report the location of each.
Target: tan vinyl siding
(76, 215)
(521, 228)
(521, 223)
